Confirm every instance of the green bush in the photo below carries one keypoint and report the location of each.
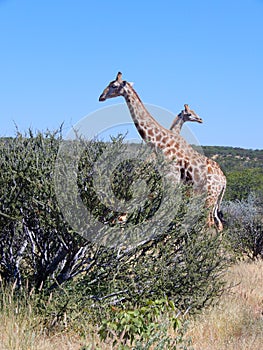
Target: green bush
(245, 226)
(144, 327)
(240, 184)
(36, 244)
(180, 261)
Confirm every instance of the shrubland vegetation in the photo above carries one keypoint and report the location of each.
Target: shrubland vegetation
(235, 158)
(54, 280)
(243, 201)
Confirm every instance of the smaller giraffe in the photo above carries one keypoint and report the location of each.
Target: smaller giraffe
(186, 115)
(214, 170)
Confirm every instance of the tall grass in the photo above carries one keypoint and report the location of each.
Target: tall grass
(236, 323)
(23, 328)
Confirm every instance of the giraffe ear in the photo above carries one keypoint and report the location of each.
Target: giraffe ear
(131, 83)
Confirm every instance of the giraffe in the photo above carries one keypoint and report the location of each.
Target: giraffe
(187, 164)
(186, 115)
(189, 115)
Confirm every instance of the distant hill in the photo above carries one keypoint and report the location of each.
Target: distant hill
(234, 158)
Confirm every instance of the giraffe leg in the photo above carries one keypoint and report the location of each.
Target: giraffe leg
(213, 216)
(211, 221)
(217, 220)
(217, 214)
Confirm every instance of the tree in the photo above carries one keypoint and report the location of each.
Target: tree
(39, 247)
(240, 184)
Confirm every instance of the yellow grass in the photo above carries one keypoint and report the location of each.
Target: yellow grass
(236, 323)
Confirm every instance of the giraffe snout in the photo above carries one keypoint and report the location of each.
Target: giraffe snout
(102, 98)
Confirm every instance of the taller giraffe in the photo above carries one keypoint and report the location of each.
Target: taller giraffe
(188, 165)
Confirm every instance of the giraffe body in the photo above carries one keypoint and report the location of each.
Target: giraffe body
(187, 164)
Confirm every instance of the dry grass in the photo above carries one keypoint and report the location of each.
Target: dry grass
(17, 334)
(21, 328)
(236, 323)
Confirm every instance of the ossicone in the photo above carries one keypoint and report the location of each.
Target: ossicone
(119, 77)
(186, 108)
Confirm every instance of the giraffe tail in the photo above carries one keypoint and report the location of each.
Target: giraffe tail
(218, 215)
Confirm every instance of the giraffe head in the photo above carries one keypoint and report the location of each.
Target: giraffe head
(114, 89)
(187, 115)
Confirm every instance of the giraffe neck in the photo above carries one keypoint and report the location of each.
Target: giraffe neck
(173, 145)
(146, 125)
(177, 125)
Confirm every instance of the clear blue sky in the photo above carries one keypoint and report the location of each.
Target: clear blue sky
(57, 56)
